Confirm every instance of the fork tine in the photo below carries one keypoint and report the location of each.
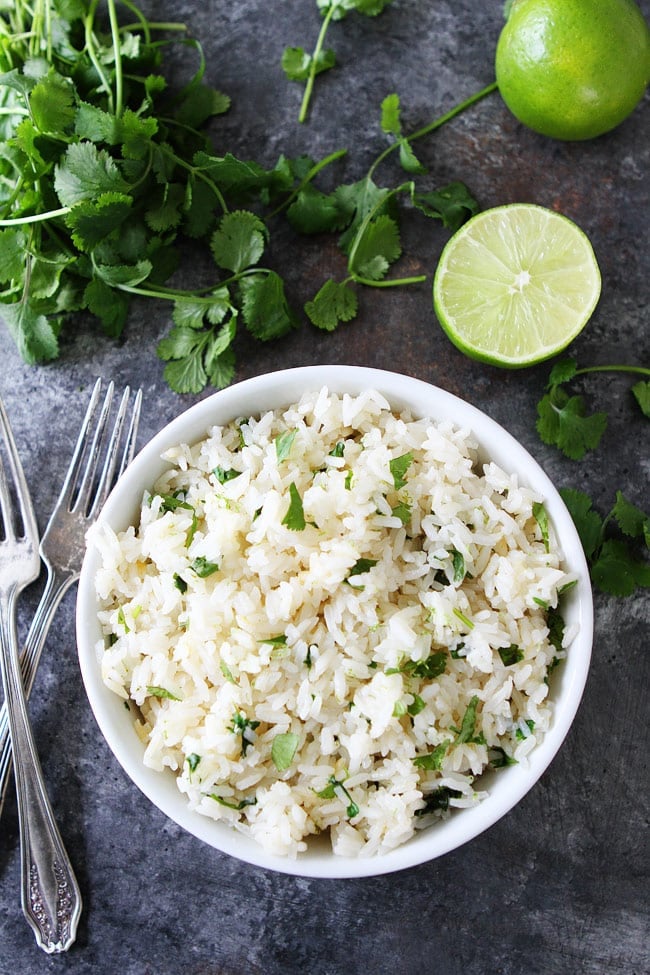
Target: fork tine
(5, 506)
(29, 527)
(112, 452)
(132, 433)
(72, 475)
(85, 483)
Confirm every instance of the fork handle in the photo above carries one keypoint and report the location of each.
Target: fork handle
(57, 584)
(50, 894)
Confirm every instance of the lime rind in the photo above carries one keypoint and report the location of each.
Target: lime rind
(516, 285)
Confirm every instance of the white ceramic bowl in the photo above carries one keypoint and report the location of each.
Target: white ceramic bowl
(506, 786)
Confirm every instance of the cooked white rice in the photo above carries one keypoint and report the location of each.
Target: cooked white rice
(356, 674)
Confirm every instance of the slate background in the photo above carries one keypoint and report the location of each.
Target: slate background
(560, 885)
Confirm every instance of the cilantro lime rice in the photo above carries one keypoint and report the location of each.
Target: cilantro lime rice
(332, 617)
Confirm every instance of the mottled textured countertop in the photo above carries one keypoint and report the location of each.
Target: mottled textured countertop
(560, 884)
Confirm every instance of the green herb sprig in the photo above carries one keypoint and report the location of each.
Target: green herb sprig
(562, 419)
(299, 65)
(613, 543)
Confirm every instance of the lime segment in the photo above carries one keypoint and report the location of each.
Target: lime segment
(516, 284)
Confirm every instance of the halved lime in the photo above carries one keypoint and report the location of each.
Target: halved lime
(515, 285)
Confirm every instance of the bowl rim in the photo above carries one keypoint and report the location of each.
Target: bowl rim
(270, 391)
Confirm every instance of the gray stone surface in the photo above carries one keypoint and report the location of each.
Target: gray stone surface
(559, 885)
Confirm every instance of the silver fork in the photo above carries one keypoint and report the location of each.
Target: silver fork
(84, 491)
(50, 894)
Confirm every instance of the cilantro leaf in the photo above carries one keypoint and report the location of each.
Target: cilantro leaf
(334, 303)
(201, 103)
(314, 212)
(452, 204)
(187, 374)
(85, 173)
(12, 254)
(390, 115)
(31, 330)
(641, 392)
(297, 64)
(265, 309)
(631, 520)
(109, 305)
(614, 567)
(377, 247)
(93, 220)
(562, 422)
(51, 104)
(614, 571)
(587, 521)
(239, 240)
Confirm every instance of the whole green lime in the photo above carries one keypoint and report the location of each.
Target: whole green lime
(573, 69)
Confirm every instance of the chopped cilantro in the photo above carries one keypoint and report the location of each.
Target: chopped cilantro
(231, 804)
(541, 517)
(438, 800)
(294, 519)
(468, 725)
(223, 474)
(403, 512)
(362, 566)
(417, 705)
(499, 758)
(334, 788)
(243, 726)
(430, 668)
(277, 641)
(519, 734)
(432, 762)
(193, 760)
(511, 655)
(283, 750)
(283, 444)
(398, 468)
(203, 568)
(180, 583)
(458, 565)
(338, 450)
(227, 672)
(121, 619)
(161, 692)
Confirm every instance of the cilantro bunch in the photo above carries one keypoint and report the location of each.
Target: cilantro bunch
(103, 170)
(106, 174)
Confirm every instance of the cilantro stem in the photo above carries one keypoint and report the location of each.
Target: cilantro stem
(435, 124)
(392, 283)
(309, 86)
(89, 21)
(196, 171)
(641, 370)
(117, 53)
(35, 217)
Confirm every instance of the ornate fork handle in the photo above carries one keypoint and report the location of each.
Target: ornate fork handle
(50, 894)
(58, 582)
